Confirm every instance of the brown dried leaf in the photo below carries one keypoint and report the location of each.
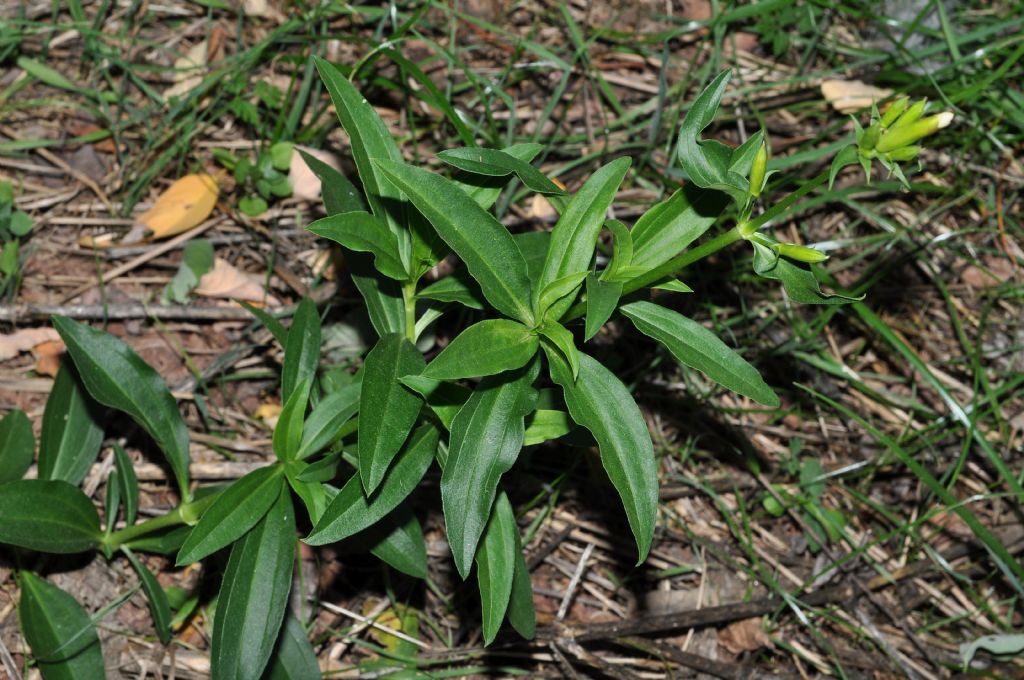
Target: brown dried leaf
(305, 184)
(227, 281)
(12, 344)
(188, 71)
(850, 96)
(48, 356)
(743, 636)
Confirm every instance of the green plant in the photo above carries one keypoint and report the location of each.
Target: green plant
(533, 295)
(14, 224)
(262, 180)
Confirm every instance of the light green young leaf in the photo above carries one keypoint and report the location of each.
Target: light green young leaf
(62, 636)
(112, 501)
(53, 517)
(485, 348)
(544, 425)
(602, 298)
(254, 594)
(800, 283)
(671, 226)
(495, 565)
(18, 445)
(534, 245)
(155, 595)
(673, 286)
(365, 233)
(499, 164)
(562, 339)
(598, 401)
(352, 510)
(196, 260)
(458, 287)
(998, 645)
(288, 431)
(238, 508)
(697, 347)
(302, 349)
(400, 543)
(387, 409)
(293, 657)
(848, 156)
(575, 235)
(117, 377)
(622, 249)
(486, 438)
(326, 419)
(564, 288)
(482, 242)
(128, 482)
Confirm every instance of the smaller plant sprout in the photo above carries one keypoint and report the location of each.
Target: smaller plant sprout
(261, 181)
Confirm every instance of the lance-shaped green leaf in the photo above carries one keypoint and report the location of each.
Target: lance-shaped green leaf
(18, 445)
(707, 162)
(847, 156)
(575, 235)
(49, 516)
(269, 321)
(302, 349)
(697, 347)
(365, 233)
(293, 657)
(62, 636)
(482, 242)
(602, 298)
(71, 434)
(445, 399)
(561, 338)
(485, 189)
(558, 290)
(387, 409)
(485, 348)
(486, 438)
(352, 510)
(117, 377)
(598, 401)
(383, 296)
(534, 245)
(670, 226)
(521, 613)
(622, 249)
(458, 287)
(237, 509)
(495, 565)
(155, 595)
(499, 164)
(128, 482)
(326, 419)
(254, 594)
(112, 502)
(288, 430)
(398, 541)
(544, 425)
(800, 283)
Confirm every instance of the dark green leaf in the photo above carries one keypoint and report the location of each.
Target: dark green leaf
(544, 425)
(17, 445)
(495, 565)
(598, 401)
(445, 399)
(288, 431)
(339, 194)
(155, 595)
(323, 470)
(271, 323)
(302, 349)
(71, 435)
(602, 298)
(457, 287)
(117, 377)
(330, 414)
(62, 636)
(697, 347)
(521, 613)
(575, 235)
(293, 657)
(238, 508)
(482, 242)
(129, 484)
(254, 594)
(499, 164)
(352, 511)
(486, 437)
(485, 348)
(670, 226)
(163, 542)
(484, 190)
(365, 233)
(800, 283)
(534, 246)
(48, 516)
(401, 543)
(387, 409)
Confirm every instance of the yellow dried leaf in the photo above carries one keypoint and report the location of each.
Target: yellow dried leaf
(850, 96)
(268, 413)
(48, 356)
(184, 205)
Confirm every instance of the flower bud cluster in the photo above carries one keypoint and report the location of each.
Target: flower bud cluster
(893, 136)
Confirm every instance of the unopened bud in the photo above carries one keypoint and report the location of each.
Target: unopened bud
(894, 111)
(757, 170)
(905, 153)
(870, 138)
(911, 115)
(905, 135)
(800, 253)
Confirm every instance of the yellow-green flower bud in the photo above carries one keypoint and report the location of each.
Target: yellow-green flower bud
(894, 111)
(757, 170)
(906, 153)
(800, 253)
(911, 115)
(870, 138)
(905, 135)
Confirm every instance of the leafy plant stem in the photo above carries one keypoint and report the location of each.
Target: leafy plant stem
(409, 297)
(186, 513)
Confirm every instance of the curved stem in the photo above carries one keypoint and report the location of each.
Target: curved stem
(186, 513)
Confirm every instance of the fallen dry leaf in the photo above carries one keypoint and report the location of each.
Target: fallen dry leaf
(850, 96)
(305, 183)
(227, 281)
(268, 413)
(188, 73)
(48, 356)
(743, 636)
(184, 205)
(261, 8)
(12, 344)
(997, 271)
